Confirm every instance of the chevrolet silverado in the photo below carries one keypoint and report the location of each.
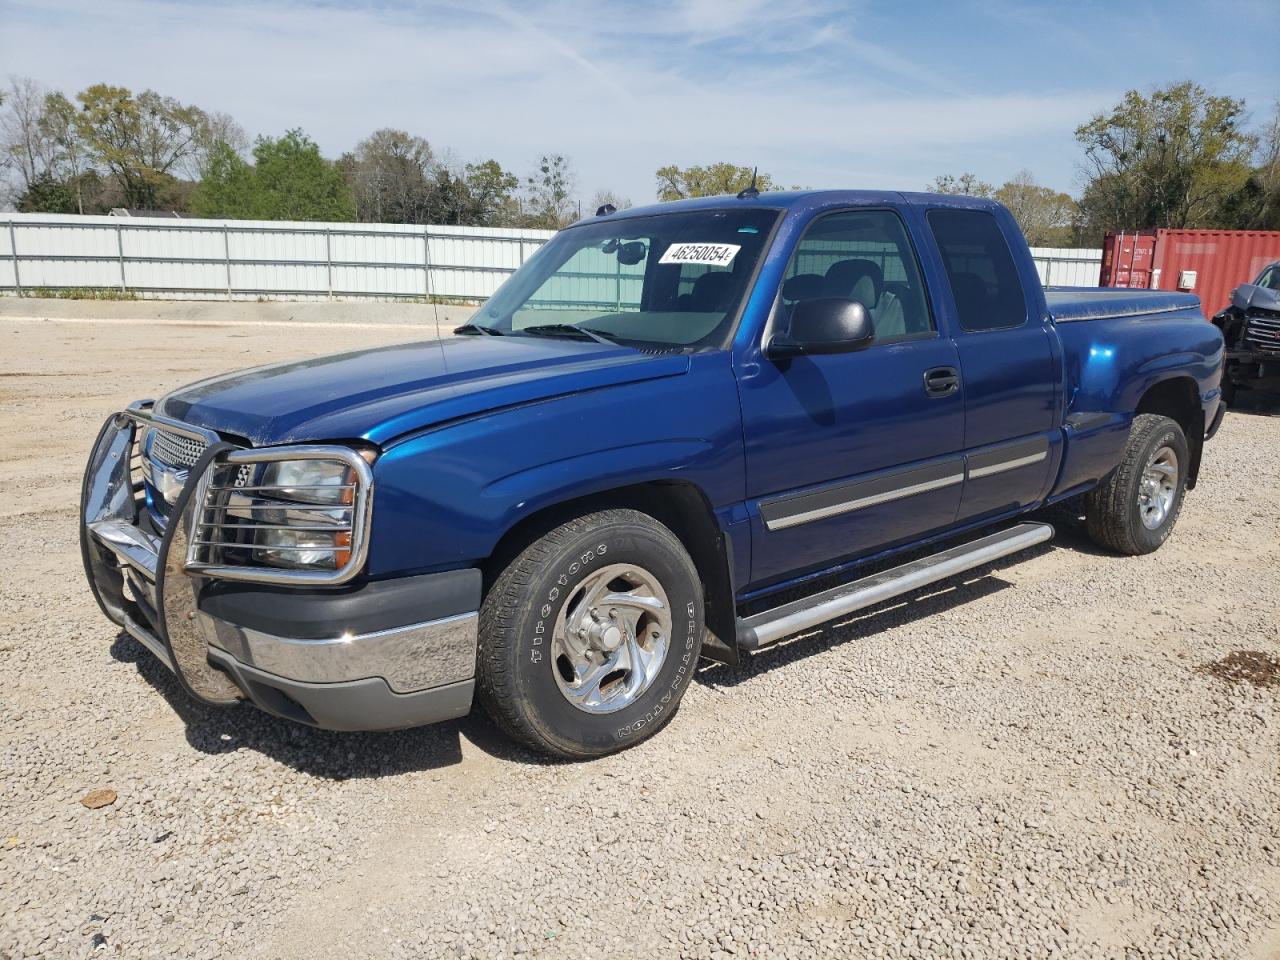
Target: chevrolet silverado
(676, 432)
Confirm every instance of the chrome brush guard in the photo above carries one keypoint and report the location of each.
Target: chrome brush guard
(137, 573)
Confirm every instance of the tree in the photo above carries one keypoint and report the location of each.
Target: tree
(227, 189)
(1256, 205)
(1171, 159)
(548, 194)
(48, 194)
(713, 180)
(288, 180)
(965, 185)
(141, 141)
(24, 146)
(602, 197)
(392, 177)
(70, 161)
(219, 129)
(491, 194)
(398, 178)
(1045, 215)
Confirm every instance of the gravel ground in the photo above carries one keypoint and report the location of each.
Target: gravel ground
(1038, 762)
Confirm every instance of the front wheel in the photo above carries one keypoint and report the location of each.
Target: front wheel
(589, 638)
(1134, 509)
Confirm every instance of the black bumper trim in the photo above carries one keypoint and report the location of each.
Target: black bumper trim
(348, 706)
(1217, 420)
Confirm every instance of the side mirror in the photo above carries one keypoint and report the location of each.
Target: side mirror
(629, 254)
(825, 325)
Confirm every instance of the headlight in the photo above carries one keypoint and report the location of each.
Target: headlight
(310, 481)
(303, 509)
(304, 548)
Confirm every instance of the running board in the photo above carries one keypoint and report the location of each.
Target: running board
(768, 627)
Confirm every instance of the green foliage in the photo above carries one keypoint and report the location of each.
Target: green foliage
(293, 182)
(140, 140)
(713, 180)
(490, 194)
(227, 187)
(48, 194)
(68, 154)
(288, 180)
(1179, 156)
(1256, 205)
(1172, 159)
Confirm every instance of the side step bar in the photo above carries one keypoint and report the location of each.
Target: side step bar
(768, 627)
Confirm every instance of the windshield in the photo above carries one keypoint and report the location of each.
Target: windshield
(673, 280)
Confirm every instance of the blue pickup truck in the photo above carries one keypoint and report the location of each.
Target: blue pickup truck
(676, 432)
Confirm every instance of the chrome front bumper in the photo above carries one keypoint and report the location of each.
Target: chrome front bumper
(347, 679)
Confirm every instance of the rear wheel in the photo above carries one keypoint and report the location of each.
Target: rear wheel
(1134, 509)
(589, 638)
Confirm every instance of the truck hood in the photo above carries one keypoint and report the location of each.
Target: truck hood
(1247, 297)
(385, 392)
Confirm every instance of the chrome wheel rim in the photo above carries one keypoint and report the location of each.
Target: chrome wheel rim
(611, 638)
(1158, 488)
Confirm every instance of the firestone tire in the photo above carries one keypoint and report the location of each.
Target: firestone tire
(1134, 509)
(588, 596)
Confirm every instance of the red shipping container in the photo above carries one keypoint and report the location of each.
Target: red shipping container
(1208, 263)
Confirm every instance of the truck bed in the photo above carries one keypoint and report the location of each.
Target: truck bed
(1067, 304)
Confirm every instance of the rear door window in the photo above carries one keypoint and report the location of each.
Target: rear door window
(984, 279)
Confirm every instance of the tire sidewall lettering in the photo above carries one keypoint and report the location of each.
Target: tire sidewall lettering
(559, 588)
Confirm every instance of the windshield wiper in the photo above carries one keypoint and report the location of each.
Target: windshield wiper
(473, 328)
(569, 329)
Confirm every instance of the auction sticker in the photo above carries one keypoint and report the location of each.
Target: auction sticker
(714, 254)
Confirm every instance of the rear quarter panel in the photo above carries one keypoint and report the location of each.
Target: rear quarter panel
(1111, 364)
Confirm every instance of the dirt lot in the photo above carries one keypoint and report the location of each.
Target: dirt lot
(1039, 762)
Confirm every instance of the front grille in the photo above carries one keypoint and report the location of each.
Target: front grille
(1264, 333)
(175, 450)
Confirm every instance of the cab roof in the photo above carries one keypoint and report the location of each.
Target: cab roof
(799, 201)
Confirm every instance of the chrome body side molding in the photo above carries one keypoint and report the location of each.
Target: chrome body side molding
(793, 509)
(1007, 456)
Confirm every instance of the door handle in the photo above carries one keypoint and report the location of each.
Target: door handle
(941, 381)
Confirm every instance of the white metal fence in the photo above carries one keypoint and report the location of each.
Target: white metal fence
(251, 259)
(1068, 267)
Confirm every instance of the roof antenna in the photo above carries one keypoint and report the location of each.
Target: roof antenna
(751, 192)
(605, 209)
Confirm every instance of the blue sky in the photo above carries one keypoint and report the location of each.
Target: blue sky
(819, 94)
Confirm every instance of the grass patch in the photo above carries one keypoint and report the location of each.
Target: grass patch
(79, 293)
